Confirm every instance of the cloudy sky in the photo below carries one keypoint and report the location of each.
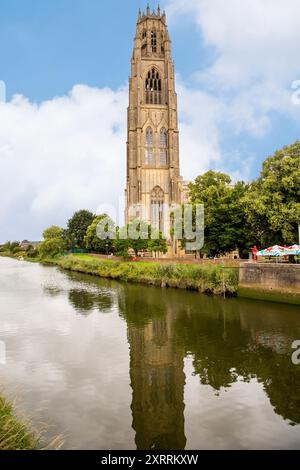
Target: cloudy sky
(65, 65)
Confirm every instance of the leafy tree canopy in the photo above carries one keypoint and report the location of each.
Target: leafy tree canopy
(225, 220)
(77, 227)
(143, 242)
(53, 232)
(143, 231)
(54, 242)
(158, 245)
(272, 203)
(92, 240)
(51, 248)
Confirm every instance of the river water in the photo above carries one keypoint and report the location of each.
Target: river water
(118, 366)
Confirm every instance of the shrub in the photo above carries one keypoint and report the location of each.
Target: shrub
(51, 248)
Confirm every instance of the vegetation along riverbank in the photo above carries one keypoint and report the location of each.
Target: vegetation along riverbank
(206, 279)
(14, 433)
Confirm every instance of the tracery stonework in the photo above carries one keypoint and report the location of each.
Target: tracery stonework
(153, 174)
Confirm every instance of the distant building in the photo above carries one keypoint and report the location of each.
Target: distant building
(26, 243)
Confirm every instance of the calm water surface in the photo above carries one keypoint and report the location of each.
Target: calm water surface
(116, 366)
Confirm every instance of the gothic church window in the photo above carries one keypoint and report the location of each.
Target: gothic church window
(153, 87)
(157, 204)
(163, 147)
(149, 137)
(144, 42)
(163, 138)
(154, 41)
(149, 151)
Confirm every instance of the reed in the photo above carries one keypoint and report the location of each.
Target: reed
(15, 434)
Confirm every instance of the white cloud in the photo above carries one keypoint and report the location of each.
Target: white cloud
(199, 137)
(253, 40)
(60, 156)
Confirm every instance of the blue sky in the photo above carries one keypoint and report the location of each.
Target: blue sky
(52, 45)
(71, 58)
(55, 44)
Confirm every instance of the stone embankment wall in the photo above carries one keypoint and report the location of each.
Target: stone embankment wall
(275, 279)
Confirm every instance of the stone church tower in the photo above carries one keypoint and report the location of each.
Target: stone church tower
(153, 175)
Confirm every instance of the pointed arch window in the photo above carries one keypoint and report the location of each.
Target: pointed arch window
(149, 137)
(153, 87)
(154, 41)
(163, 147)
(149, 150)
(144, 42)
(157, 205)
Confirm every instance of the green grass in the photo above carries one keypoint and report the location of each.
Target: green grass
(14, 434)
(9, 254)
(203, 278)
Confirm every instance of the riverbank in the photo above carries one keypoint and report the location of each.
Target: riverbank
(211, 278)
(257, 293)
(214, 280)
(273, 282)
(14, 434)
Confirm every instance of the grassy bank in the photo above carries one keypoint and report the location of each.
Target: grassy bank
(14, 434)
(8, 254)
(207, 279)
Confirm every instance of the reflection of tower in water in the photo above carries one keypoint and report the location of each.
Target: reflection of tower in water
(157, 381)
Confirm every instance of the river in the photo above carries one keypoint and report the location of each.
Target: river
(112, 365)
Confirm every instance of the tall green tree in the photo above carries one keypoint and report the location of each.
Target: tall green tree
(121, 246)
(53, 232)
(272, 204)
(137, 236)
(53, 244)
(77, 228)
(209, 187)
(92, 240)
(158, 245)
(225, 223)
(140, 243)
